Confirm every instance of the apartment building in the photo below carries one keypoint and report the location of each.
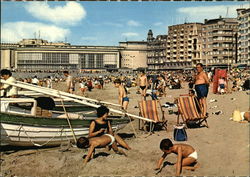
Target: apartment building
(133, 54)
(243, 36)
(219, 41)
(183, 46)
(156, 51)
(37, 54)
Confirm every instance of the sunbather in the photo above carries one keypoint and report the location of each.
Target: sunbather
(102, 126)
(186, 155)
(102, 141)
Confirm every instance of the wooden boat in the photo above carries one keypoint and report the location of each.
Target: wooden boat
(40, 127)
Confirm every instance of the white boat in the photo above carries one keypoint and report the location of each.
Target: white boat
(23, 123)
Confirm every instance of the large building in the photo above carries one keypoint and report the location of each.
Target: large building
(37, 54)
(243, 36)
(183, 46)
(156, 51)
(133, 54)
(219, 41)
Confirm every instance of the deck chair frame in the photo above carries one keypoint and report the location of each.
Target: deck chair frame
(149, 109)
(188, 110)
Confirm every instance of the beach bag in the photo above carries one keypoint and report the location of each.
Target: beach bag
(180, 133)
(236, 115)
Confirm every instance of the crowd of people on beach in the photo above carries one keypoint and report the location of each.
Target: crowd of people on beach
(149, 84)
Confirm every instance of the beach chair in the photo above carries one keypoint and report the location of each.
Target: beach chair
(152, 109)
(190, 111)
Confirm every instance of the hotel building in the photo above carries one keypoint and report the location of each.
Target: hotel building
(219, 41)
(156, 51)
(243, 36)
(183, 46)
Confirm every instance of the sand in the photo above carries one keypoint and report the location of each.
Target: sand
(223, 148)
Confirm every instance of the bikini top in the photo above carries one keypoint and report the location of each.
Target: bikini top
(99, 126)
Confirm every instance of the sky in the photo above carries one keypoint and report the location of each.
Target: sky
(103, 23)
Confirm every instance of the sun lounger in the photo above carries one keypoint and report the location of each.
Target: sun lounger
(152, 109)
(190, 111)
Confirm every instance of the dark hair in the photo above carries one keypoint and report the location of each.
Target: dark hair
(199, 64)
(82, 142)
(101, 111)
(65, 72)
(6, 72)
(117, 81)
(166, 144)
(191, 91)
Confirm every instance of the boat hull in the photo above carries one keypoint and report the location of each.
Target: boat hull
(22, 130)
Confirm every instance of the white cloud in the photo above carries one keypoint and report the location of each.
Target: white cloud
(133, 23)
(130, 34)
(158, 24)
(69, 14)
(199, 13)
(16, 31)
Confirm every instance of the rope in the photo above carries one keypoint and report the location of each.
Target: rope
(36, 144)
(132, 126)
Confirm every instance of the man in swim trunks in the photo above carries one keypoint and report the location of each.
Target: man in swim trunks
(186, 155)
(201, 87)
(123, 98)
(102, 141)
(143, 83)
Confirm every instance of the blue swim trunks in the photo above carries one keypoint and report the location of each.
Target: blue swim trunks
(125, 99)
(201, 90)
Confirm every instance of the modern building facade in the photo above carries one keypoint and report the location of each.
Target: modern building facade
(133, 54)
(156, 51)
(183, 46)
(219, 44)
(243, 36)
(37, 54)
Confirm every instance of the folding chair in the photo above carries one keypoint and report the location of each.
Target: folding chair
(190, 110)
(151, 109)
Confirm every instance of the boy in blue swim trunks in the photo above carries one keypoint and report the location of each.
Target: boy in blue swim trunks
(201, 87)
(122, 92)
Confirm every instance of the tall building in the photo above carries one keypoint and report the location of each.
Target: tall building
(183, 45)
(37, 54)
(156, 51)
(134, 54)
(243, 36)
(219, 41)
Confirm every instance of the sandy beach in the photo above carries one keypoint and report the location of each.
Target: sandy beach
(223, 148)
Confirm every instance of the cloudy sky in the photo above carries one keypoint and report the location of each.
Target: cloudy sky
(103, 23)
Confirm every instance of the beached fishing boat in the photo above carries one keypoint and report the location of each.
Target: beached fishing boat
(37, 126)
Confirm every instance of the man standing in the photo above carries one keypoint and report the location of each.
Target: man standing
(143, 83)
(10, 91)
(201, 87)
(69, 82)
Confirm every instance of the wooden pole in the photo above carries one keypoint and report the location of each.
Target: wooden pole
(69, 94)
(68, 119)
(47, 92)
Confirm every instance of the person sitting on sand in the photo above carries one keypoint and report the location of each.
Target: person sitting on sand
(186, 155)
(101, 124)
(92, 143)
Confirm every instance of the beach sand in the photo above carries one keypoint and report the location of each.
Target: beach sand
(223, 148)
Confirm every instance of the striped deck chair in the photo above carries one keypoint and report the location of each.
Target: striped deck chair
(190, 110)
(152, 109)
